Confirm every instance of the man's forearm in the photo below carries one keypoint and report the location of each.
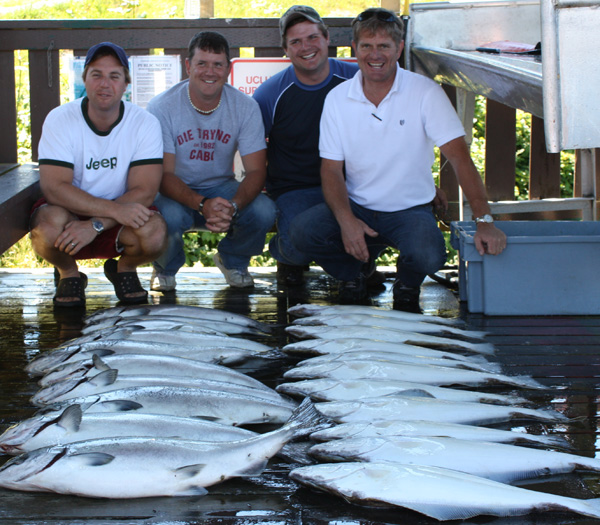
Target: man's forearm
(78, 202)
(336, 195)
(249, 188)
(175, 189)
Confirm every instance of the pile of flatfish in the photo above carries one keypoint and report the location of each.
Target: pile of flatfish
(143, 405)
(406, 394)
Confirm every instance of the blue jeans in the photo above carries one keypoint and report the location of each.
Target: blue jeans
(245, 238)
(414, 232)
(289, 205)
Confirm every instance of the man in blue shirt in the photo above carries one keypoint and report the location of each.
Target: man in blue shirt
(291, 104)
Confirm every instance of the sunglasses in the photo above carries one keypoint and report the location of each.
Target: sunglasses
(384, 16)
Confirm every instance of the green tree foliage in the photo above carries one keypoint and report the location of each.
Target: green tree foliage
(101, 9)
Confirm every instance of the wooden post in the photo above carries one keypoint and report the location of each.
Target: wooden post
(391, 5)
(8, 109)
(448, 181)
(44, 79)
(544, 167)
(500, 151)
(207, 8)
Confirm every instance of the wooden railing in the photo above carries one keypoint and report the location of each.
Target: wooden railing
(44, 39)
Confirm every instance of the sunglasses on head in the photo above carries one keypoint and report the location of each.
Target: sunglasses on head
(384, 16)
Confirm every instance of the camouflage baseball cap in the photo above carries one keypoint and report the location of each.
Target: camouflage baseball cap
(295, 12)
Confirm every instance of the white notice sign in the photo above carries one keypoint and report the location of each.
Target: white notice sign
(249, 73)
(151, 75)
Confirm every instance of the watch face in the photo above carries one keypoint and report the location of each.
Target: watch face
(98, 226)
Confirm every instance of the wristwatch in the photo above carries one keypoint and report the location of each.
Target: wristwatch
(201, 205)
(235, 209)
(485, 218)
(98, 226)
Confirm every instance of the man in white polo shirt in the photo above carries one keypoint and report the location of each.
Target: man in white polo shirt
(376, 142)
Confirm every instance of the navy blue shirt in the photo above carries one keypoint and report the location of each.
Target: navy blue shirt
(291, 114)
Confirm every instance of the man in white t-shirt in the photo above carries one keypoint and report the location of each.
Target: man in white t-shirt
(100, 168)
(377, 135)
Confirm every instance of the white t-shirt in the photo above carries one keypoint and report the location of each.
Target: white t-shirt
(388, 150)
(100, 160)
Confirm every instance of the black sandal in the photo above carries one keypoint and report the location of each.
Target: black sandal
(125, 283)
(71, 287)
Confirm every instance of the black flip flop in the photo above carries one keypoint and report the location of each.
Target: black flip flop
(124, 283)
(71, 287)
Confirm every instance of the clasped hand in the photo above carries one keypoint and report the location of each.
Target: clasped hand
(218, 213)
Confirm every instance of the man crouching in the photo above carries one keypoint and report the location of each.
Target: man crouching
(100, 168)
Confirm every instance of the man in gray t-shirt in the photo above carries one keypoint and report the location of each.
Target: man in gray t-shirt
(204, 122)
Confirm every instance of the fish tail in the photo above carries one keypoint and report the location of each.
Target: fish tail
(589, 464)
(527, 382)
(552, 441)
(542, 414)
(306, 419)
(273, 353)
(483, 348)
(588, 507)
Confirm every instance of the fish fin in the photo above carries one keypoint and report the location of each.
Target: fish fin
(412, 392)
(212, 419)
(108, 377)
(306, 419)
(85, 406)
(70, 419)
(296, 453)
(93, 459)
(98, 363)
(267, 328)
(120, 405)
(192, 490)
(103, 352)
(190, 470)
(256, 469)
(133, 327)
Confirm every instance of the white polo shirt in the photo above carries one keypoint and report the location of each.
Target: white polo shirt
(388, 150)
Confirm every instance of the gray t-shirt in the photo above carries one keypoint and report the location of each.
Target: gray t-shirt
(205, 145)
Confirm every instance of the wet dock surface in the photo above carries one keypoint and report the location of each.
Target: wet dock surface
(563, 353)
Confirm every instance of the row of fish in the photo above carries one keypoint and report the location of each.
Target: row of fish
(405, 434)
(131, 410)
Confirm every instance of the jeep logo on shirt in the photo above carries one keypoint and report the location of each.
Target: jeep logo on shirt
(103, 163)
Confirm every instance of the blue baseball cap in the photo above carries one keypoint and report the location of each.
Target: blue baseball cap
(118, 50)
